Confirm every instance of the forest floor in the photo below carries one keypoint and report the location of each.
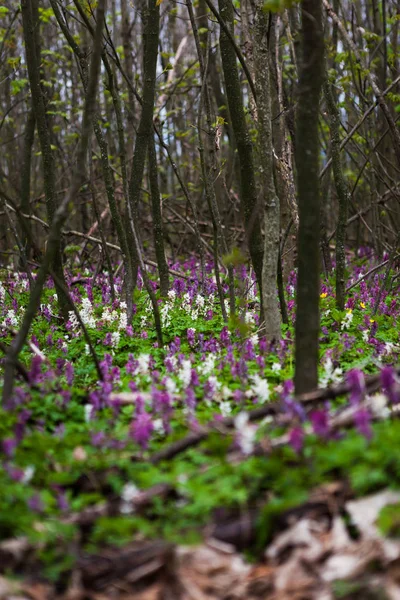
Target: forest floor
(192, 471)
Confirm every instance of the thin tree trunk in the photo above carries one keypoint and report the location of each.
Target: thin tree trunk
(342, 192)
(208, 159)
(158, 230)
(30, 20)
(248, 190)
(270, 300)
(307, 165)
(127, 252)
(60, 215)
(151, 18)
(25, 205)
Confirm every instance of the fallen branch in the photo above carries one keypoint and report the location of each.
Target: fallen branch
(372, 384)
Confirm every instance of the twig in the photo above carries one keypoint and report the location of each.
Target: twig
(370, 272)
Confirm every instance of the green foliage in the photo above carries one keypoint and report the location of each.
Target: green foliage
(276, 6)
(17, 85)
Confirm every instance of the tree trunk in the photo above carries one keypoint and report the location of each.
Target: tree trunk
(341, 191)
(270, 301)
(307, 165)
(30, 19)
(151, 18)
(248, 191)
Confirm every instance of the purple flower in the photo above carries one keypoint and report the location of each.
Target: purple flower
(390, 384)
(35, 371)
(62, 501)
(191, 336)
(141, 429)
(320, 424)
(362, 420)
(224, 336)
(296, 439)
(249, 353)
(35, 503)
(9, 445)
(69, 373)
(108, 339)
(178, 286)
(190, 398)
(131, 365)
(14, 473)
(355, 379)
(20, 425)
(194, 379)
(97, 438)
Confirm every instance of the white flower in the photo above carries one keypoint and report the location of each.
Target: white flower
(170, 385)
(86, 313)
(365, 335)
(73, 319)
(276, 367)
(28, 474)
(185, 373)
(172, 295)
(246, 433)
(200, 301)
(129, 493)
(347, 320)
(144, 363)
(208, 364)
(165, 316)
(11, 316)
(115, 338)
(254, 339)
(331, 375)
(260, 388)
(158, 426)
(225, 408)
(379, 406)
(226, 392)
(214, 384)
(249, 318)
(2, 291)
(88, 412)
(109, 316)
(123, 320)
(87, 349)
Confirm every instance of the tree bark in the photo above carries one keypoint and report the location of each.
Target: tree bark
(248, 190)
(30, 20)
(307, 165)
(270, 300)
(342, 192)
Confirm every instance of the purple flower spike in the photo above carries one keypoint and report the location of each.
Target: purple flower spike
(35, 503)
(356, 380)
(296, 439)
(9, 445)
(69, 373)
(362, 420)
(320, 424)
(390, 384)
(141, 429)
(35, 372)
